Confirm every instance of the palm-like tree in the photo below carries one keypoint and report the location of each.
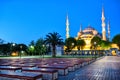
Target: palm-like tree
(53, 39)
(116, 40)
(70, 43)
(80, 44)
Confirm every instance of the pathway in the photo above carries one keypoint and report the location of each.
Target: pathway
(107, 68)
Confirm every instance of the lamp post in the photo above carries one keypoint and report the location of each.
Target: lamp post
(13, 45)
(73, 46)
(12, 48)
(20, 50)
(43, 50)
(99, 50)
(32, 49)
(95, 48)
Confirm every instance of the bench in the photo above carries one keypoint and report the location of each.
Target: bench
(5, 64)
(62, 70)
(70, 66)
(23, 65)
(49, 74)
(9, 68)
(20, 76)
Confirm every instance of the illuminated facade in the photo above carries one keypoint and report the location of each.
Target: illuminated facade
(89, 32)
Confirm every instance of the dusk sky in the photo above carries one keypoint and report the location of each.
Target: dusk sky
(24, 20)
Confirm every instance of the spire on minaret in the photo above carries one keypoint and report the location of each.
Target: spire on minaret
(103, 25)
(80, 27)
(67, 27)
(103, 18)
(109, 30)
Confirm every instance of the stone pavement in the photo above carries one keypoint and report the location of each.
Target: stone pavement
(107, 68)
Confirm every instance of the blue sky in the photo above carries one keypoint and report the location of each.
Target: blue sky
(24, 20)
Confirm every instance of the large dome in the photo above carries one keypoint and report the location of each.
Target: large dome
(90, 30)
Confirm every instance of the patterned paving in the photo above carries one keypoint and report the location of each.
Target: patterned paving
(107, 68)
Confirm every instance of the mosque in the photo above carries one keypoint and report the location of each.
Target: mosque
(89, 32)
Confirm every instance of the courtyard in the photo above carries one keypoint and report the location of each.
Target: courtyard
(107, 68)
(103, 68)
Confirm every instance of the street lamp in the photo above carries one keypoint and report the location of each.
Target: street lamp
(72, 47)
(20, 50)
(12, 48)
(13, 44)
(72, 44)
(31, 49)
(99, 50)
(95, 48)
(43, 50)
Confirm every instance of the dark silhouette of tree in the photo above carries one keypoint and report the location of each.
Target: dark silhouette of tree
(70, 43)
(38, 46)
(94, 40)
(80, 44)
(32, 43)
(22, 47)
(5, 49)
(1, 41)
(31, 48)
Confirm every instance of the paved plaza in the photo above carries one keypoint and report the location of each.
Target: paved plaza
(107, 68)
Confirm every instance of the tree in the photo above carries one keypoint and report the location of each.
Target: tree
(22, 47)
(53, 39)
(116, 40)
(95, 41)
(1, 41)
(104, 44)
(38, 46)
(80, 43)
(31, 48)
(5, 48)
(32, 43)
(70, 43)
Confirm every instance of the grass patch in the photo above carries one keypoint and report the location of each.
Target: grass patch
(48, 56)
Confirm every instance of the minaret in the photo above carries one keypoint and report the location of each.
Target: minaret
(80, 32)
(108, 30)
(103, 25)
(67, 28)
